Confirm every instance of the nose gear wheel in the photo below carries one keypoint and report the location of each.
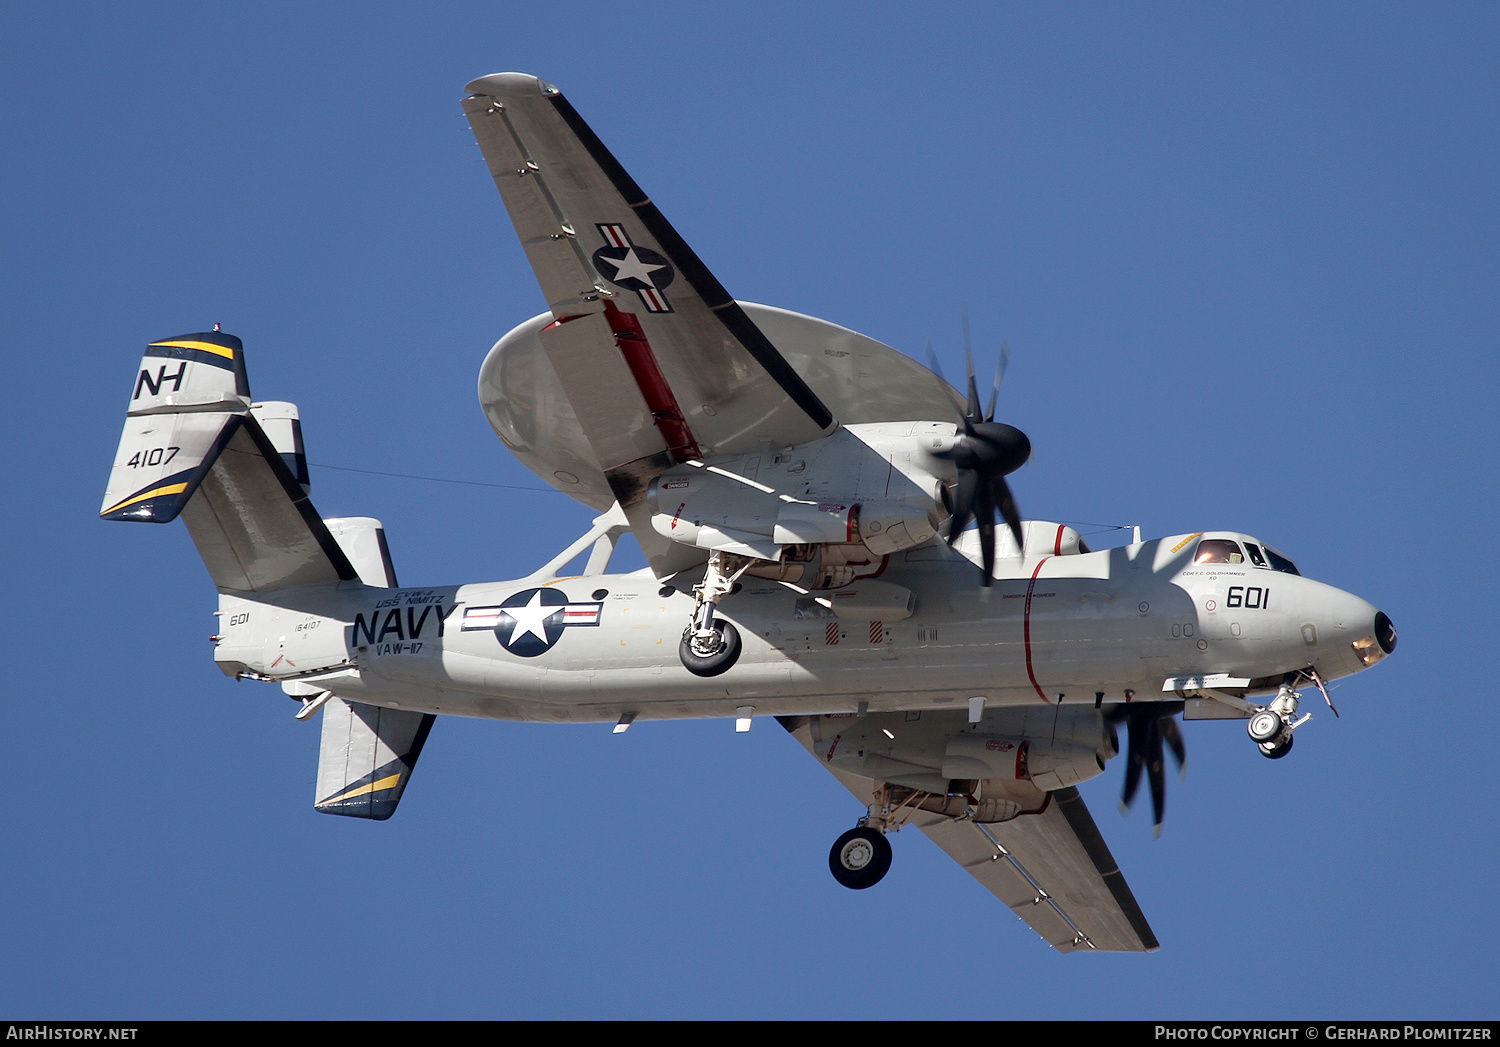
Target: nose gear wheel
(1265, 726)
(1271, 728)
(1276, 750)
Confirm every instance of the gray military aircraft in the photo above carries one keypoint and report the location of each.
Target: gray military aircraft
(801, 493)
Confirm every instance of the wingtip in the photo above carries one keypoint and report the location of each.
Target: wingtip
(498, 84)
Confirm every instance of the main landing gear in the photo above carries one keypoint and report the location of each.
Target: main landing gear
(860, 858)
(710, 654)
(711, 645)
(1271, 728)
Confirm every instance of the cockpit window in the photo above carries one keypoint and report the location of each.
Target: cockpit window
(1255, 557)
(1281, 563)
(1218, 550)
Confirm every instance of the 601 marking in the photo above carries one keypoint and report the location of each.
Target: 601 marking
(1253, 597)
(154, 456)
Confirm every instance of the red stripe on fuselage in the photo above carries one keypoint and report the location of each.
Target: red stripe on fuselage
(1026, 625)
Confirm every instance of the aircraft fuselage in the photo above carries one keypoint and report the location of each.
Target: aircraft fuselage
(1119, 623)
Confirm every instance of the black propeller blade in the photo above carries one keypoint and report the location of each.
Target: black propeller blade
(1149, 727)
(985, 452)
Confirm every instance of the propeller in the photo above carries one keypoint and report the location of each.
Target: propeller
(985, 452)
(1149, 726)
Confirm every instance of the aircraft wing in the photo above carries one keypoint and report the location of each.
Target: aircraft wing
(859, 379)
(659, 363)
(1052, 868)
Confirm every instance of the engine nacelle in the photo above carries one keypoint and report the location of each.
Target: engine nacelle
(999, 768)
(1043, 538)
(875, 486)
(1046, 764)
(889, 527)
(699, 506)
(816, 523)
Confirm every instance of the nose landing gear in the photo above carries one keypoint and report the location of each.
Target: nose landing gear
(1277, 749)
(1271, 728)
(1265, 727)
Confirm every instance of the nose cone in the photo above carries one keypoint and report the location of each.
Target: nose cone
(1372, 640)
(1385, 632)
(1347, 634)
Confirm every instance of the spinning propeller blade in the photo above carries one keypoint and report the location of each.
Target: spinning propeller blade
(948, 390)
(1149, 726)
(985, 452)
(1000, 366)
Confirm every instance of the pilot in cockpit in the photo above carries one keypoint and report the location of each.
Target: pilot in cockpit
(1222, 550)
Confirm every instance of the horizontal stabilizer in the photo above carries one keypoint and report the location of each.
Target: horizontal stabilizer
(366, 757)
(254, 525)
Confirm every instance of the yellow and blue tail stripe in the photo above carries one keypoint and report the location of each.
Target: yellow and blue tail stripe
(214, 348)
(375, 795)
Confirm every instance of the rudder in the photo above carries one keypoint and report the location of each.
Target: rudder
(178, 422)
(194, 445)
(366, 757)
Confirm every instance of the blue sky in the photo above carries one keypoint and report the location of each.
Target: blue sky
(1245, 258)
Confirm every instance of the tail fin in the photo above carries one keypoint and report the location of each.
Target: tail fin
(193, 445)
(282, 425)
(177, 424)
(366, 758)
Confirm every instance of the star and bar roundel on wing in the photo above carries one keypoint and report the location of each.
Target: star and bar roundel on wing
(530, 622)
(634, 268)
